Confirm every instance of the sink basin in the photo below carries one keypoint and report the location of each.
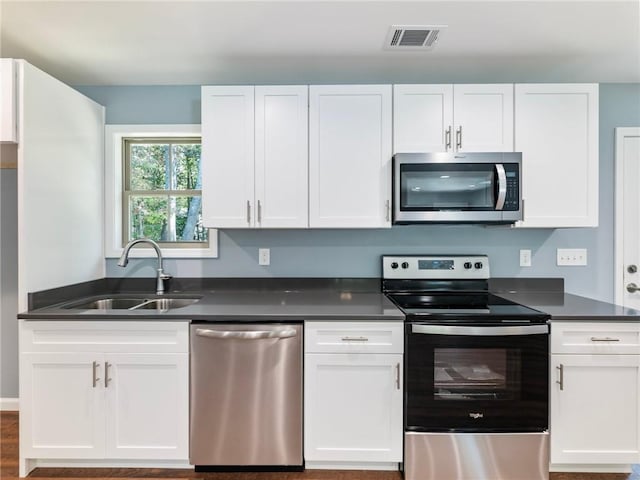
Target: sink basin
(166, 303)
(107, 304)
(134, 303)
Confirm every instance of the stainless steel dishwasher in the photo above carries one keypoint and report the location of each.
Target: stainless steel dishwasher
(246, 397)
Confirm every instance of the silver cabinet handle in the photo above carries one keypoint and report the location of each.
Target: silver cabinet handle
(605, 339)
(106, 374)
(388, 210)
(459, 137)
(259, 212)
(447, 138)
(241, 335)
(398, 376)
(95, 374)
(248, 212)
(355, 339)
(560, 381)
(632, 288)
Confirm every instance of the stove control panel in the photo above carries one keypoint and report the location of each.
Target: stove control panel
(436, 267)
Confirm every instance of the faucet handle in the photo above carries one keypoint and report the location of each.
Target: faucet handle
(165, 276)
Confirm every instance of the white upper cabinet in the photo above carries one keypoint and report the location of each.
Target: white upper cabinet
(557, 132)
(254, 151)
(422, 118)
(227, 157)
(8, 101)
(453, 118)
(350, 156)
(281, 156)
(483, 118)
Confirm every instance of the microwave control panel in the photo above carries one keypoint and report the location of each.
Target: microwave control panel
(513, 187)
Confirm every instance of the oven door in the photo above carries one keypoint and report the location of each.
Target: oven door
(476, 378)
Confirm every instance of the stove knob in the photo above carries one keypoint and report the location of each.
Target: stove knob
(405, 264)
(394, 265)
(478, 265)
(467, 265)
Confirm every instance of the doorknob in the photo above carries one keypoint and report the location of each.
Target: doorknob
(632, 269)
(632, 287)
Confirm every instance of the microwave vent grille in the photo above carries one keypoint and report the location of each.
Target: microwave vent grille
(413, 37)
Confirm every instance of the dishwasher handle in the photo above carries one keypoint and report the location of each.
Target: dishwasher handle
(244, 335)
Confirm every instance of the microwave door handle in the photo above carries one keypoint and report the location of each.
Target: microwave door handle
(502, 186)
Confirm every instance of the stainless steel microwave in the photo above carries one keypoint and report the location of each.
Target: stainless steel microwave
(457, 188)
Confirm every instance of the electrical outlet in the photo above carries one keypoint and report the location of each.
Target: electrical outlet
(572, 257)
(525, 258)
(264, 256)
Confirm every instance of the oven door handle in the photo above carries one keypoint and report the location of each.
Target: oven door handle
(502, 186)
(480, 331)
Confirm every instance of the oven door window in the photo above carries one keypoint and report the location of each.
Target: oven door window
(472, 374)
(465, 186)
(476, 383)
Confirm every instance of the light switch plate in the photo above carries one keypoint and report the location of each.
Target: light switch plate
(264, 256)
(525, 258)
(571, 257)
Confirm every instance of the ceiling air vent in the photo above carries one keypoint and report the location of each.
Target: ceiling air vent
(413, 37)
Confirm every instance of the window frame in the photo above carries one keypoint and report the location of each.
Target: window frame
(114, 191)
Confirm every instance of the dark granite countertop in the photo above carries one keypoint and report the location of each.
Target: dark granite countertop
(548, 296)
(230, 300)
(297, 299)
(566, 306)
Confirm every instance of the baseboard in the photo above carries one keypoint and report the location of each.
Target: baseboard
(9, 404)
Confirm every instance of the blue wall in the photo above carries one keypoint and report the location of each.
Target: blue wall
(355, 253)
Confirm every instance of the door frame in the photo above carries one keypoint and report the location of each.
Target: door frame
(618, 263)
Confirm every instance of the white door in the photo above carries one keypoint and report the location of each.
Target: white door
(594, 414)
(350, 156)
(147, 407)
(228, 157)
(422, 118)
(556, 129)
(483, 118)
(627, 264)
(61, 406)
(353, 407)
(281, 156)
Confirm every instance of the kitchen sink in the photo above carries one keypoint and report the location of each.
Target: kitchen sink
(166, 303)
(133, 303)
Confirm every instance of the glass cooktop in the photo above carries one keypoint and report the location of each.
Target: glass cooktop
(465, 307)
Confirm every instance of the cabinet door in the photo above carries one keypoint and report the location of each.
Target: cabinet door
(228, 157)
(353, 407)
(422, 118)
(594, 415)
(483, 118)
(282, 156)
(8, 101)
(61, 409)
(557, 133)
(147, 409)
(350, 156)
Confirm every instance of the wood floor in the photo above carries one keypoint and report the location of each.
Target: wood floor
(9, 468)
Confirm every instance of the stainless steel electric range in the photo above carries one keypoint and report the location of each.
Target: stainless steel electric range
(476, 373)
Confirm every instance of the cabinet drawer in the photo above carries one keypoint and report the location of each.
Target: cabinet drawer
(595, 338)
(354, 337)
(104, 336)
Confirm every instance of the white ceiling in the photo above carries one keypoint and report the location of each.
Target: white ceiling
(215, 42)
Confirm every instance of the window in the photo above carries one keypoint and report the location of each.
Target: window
(162, 197)
(153, 183)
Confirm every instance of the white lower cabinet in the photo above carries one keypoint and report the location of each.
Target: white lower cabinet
(353, 400)
(102, 400)
(595, 409)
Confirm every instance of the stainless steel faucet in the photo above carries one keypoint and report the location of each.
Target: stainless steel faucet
(161, 276)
